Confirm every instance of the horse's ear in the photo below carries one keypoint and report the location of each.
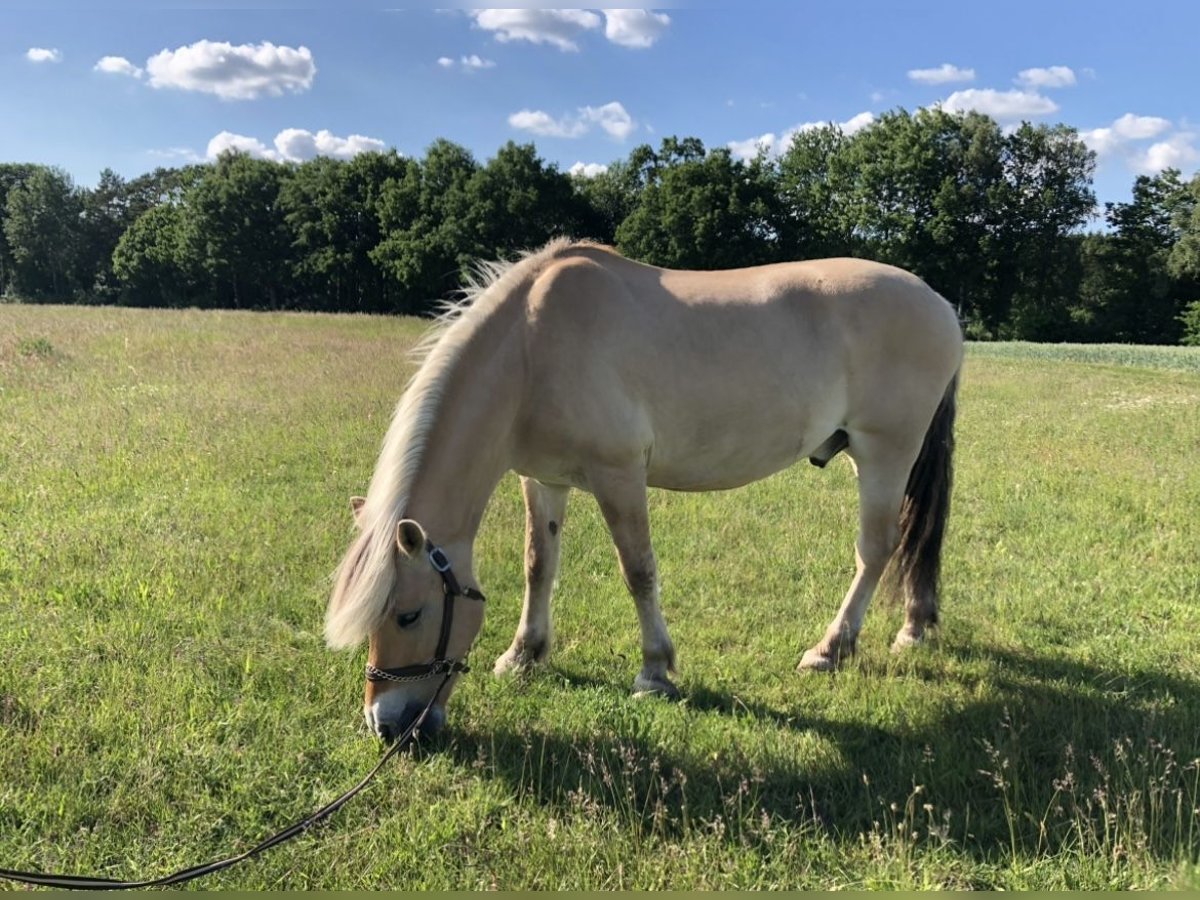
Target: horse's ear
(410, 537)
(356, 507)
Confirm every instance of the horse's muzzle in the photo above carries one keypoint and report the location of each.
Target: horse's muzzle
(388, 725)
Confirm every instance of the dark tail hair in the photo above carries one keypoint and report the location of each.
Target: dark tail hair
(926, 507)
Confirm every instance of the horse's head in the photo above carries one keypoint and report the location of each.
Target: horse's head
(402, 593)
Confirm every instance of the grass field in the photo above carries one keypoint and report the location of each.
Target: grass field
(173, 497)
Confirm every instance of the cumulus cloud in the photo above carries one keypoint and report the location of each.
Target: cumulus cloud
(777, 145)
(557, 27)
(1179, 151)
(1137, 128)
(295, 145)
(43, 55)
(240, 143)
(472, 63)
(588, 170)
(946, 73)
(242, 72)
(1051, 77)
(1003, 106)
(1119, 138)
(118, 65)
(638, 28)
(611, 117)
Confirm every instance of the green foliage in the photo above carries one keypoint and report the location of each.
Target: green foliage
(42, 230)
(1190, 320)
(174, 498)
(35, 348)
(1131, 291)
(699, 210)
(992, 220)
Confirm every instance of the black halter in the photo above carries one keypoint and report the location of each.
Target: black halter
(440, 665)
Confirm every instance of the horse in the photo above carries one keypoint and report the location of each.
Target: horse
(578, 368)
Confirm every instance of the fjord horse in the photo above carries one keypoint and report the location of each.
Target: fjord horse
(578, 368)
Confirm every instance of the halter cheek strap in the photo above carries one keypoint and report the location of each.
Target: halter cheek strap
(441, 665)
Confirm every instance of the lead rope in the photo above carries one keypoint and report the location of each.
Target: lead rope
(91, 883)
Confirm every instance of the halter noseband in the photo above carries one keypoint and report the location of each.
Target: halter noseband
(440, 665)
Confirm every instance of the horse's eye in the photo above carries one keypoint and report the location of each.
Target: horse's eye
(407, 620)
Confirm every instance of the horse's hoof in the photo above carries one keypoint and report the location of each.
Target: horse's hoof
(516, 661)
(814, 660)
(905, 639)
(655, 687)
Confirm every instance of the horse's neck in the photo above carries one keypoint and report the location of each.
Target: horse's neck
(469, 447)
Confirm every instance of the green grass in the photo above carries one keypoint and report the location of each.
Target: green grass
(1183, 359)
(173, 497)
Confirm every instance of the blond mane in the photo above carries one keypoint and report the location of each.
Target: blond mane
(363, 580)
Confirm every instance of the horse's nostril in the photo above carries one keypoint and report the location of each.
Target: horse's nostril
(392, 729)
(387, 731)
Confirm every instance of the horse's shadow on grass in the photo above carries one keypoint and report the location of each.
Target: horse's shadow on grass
(1057, 744)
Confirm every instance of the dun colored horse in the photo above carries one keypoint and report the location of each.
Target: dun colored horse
(578, 368)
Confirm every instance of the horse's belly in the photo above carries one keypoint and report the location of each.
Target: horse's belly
(728, 457)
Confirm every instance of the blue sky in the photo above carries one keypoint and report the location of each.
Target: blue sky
(584, 85)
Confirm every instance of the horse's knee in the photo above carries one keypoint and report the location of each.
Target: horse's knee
(875, 549)
(641, 578)
(538, 568)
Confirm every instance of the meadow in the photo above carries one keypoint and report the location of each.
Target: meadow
(173, 499)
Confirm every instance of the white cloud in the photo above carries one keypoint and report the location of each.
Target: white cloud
(1117, 140)
(227, 140)
(1104, 141)
(1179, 151)
(611, 117)
(638, 28)
(588, 170)
(943, 74)
(1051, 77)
(43, 55)
(295, 145)
(118, 65)
(185, 154)
(472, 63)
(1137, 128)
(851, 126)
(1003, 106)
(750, 147)
(557, 27)
(242, 72)
(544, 124)
(777, 145)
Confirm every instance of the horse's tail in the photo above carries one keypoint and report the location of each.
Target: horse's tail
(926, 507)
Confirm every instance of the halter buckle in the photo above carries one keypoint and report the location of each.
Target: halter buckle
(439, 560)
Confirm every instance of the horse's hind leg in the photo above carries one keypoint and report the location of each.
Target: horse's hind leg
(883, 465)
(545, 510)
(622, 498)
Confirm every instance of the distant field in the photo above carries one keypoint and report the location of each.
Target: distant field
(1183, 359)
(173, 497)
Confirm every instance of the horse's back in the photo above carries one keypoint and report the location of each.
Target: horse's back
(719, 378)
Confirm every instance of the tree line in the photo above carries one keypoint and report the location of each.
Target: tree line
(995, 220)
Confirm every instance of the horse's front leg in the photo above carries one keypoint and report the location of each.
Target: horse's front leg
(545, 510)
(621, 494)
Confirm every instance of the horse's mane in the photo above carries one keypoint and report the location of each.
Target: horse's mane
(364, 579)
